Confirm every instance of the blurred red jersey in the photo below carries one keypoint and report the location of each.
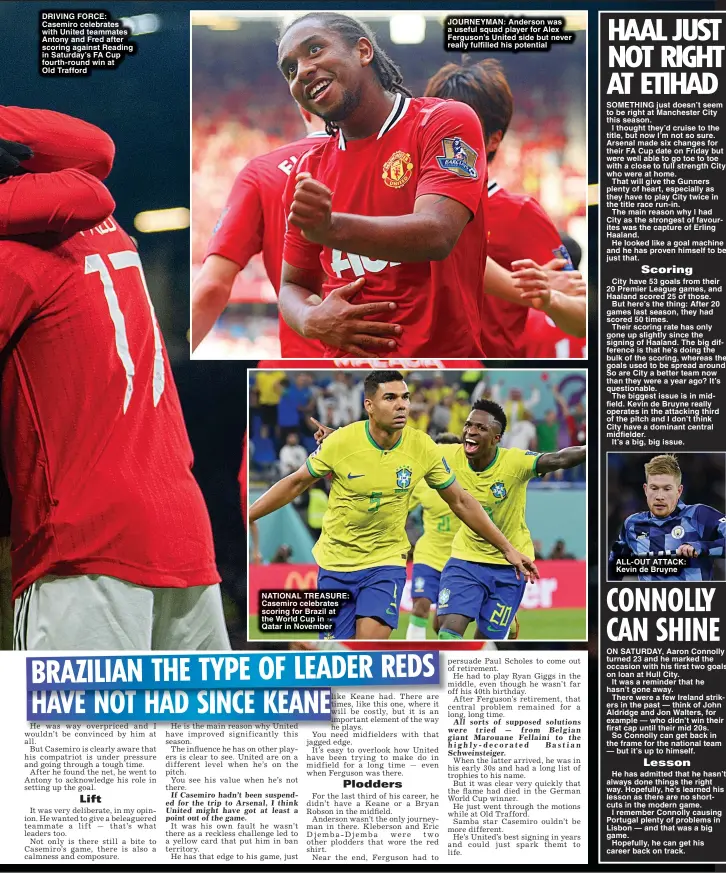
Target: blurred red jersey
(545, 340)
(373, 364)
(519, 228)
(253, 221)
(425, 146)
(92, 439)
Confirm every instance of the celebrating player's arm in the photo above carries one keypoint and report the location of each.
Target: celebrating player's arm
(281, 493)
(58, 141)
(564, 459)
(211, 291)
(465, 507)
(52, 165)
(429, 233)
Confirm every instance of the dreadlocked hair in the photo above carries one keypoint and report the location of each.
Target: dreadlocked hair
(351, 30)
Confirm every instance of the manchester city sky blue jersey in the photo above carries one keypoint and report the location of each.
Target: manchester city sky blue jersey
(697, 525)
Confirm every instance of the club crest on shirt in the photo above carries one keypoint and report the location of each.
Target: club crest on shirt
(397, 170)
(404, 475)
(678, 532)
(221, 219)
(419, 583)
(458, 158)
(498, 490)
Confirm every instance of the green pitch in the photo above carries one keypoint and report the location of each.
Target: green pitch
(534, 624)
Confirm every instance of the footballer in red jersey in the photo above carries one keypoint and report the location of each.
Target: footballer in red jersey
(390, 210)
(252, 221)
(112, 544)
(518, 226)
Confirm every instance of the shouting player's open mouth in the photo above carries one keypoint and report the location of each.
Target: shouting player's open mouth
(316, 92)
(470, 445)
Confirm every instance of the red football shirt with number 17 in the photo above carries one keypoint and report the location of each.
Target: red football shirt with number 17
(92, 438)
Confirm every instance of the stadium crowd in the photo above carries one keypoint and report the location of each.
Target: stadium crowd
(283, 406)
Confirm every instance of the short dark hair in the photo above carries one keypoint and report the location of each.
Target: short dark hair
(351, 30)
(495, 410)
(482, 86)
(447, 439)
(379, 377)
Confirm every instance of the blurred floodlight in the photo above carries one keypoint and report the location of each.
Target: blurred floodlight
(407, 28)
(141, 24)
(156, 220)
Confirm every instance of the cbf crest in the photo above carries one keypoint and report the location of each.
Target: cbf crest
(398, 169)
(499, 490)
(404, 477)
(458, 158)
(444, 596)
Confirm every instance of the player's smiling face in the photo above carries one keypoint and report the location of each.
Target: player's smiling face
(482, 433)
(662, 493)
(323, 72)
(390, 405)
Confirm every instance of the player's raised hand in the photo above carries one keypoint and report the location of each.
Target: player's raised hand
(522, 564)
(312, 208)
(686, 550)
(536, 283)
(339, 323)
(321, 432)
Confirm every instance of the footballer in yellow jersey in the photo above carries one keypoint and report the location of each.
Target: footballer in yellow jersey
(432, 549)
(363, 545)
(475, 584)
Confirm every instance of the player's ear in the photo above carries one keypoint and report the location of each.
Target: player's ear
(365, 51)
(491, 143)
(680, 490)
(645, 488)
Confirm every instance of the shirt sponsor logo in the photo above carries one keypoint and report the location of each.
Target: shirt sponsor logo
(458, 158)
(397, 170)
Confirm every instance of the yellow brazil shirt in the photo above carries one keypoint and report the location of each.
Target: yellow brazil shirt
(440, 524)
(365, 522)
(268, 386)
(501, 489)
